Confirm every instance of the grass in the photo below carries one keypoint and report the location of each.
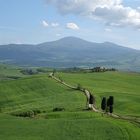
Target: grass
(38, 92)
(43, 93)
(122, 85)
(96, 128)
(8, 72)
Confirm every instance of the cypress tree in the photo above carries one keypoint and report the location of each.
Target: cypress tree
(107, 105)
(103, 103)
(111, 100)
(91, 99)
(111, 108)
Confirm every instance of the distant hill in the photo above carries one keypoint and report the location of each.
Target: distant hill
(71, 52)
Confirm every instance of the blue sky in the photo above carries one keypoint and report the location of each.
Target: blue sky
(37, 21)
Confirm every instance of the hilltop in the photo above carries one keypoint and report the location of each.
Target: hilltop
(70, 52)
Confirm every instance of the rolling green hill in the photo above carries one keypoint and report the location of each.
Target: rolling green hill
(37, 92)
(95, 127)
(8, 72)
(45, 94)
(122, 85)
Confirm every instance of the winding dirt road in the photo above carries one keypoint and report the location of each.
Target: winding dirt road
(84, 91)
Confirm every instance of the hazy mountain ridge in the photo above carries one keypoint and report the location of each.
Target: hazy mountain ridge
(71, 51)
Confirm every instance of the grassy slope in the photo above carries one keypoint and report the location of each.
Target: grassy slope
(96, 128)
(123, 86)
(37, 92)
(45, 94)
(8, 72)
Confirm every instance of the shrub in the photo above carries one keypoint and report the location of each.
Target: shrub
(79, 87)
(30, 113)
(53, 72)
(13, 77)
(36, 111)
(60, 79)
(24, 114)
(29, 71)
(58, 109)
(42, 70)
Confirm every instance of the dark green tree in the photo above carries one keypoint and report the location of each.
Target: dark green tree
(103, 104)
(54, 71)
(79, 87)
(111, 100)
(91, 99)
(111, 108)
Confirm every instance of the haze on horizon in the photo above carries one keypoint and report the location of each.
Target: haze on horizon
(32, 22)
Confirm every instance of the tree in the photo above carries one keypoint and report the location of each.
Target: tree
(110, 103)
(61, 79)
(79, 87)
(91, 99)
(29, 71)
(107, 105)
(111, 108)
(111, 100)
(103, 104)
(54, 71)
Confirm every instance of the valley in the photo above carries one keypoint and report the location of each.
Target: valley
(59, 111)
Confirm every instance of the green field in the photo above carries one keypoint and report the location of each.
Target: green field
(44, 94)
(8, 72)
(122, 85)
(94, 127)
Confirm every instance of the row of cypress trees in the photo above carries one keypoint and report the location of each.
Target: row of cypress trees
(107, 104)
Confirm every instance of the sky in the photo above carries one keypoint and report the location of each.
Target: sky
(37, 21)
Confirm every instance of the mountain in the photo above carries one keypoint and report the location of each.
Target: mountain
(70, 52)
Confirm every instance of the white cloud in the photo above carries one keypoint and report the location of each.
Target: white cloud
(112, 12)
(54, 24)
(72, 26)
(118, 16)
(44, 23)
(138, 8)
(80, 6)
